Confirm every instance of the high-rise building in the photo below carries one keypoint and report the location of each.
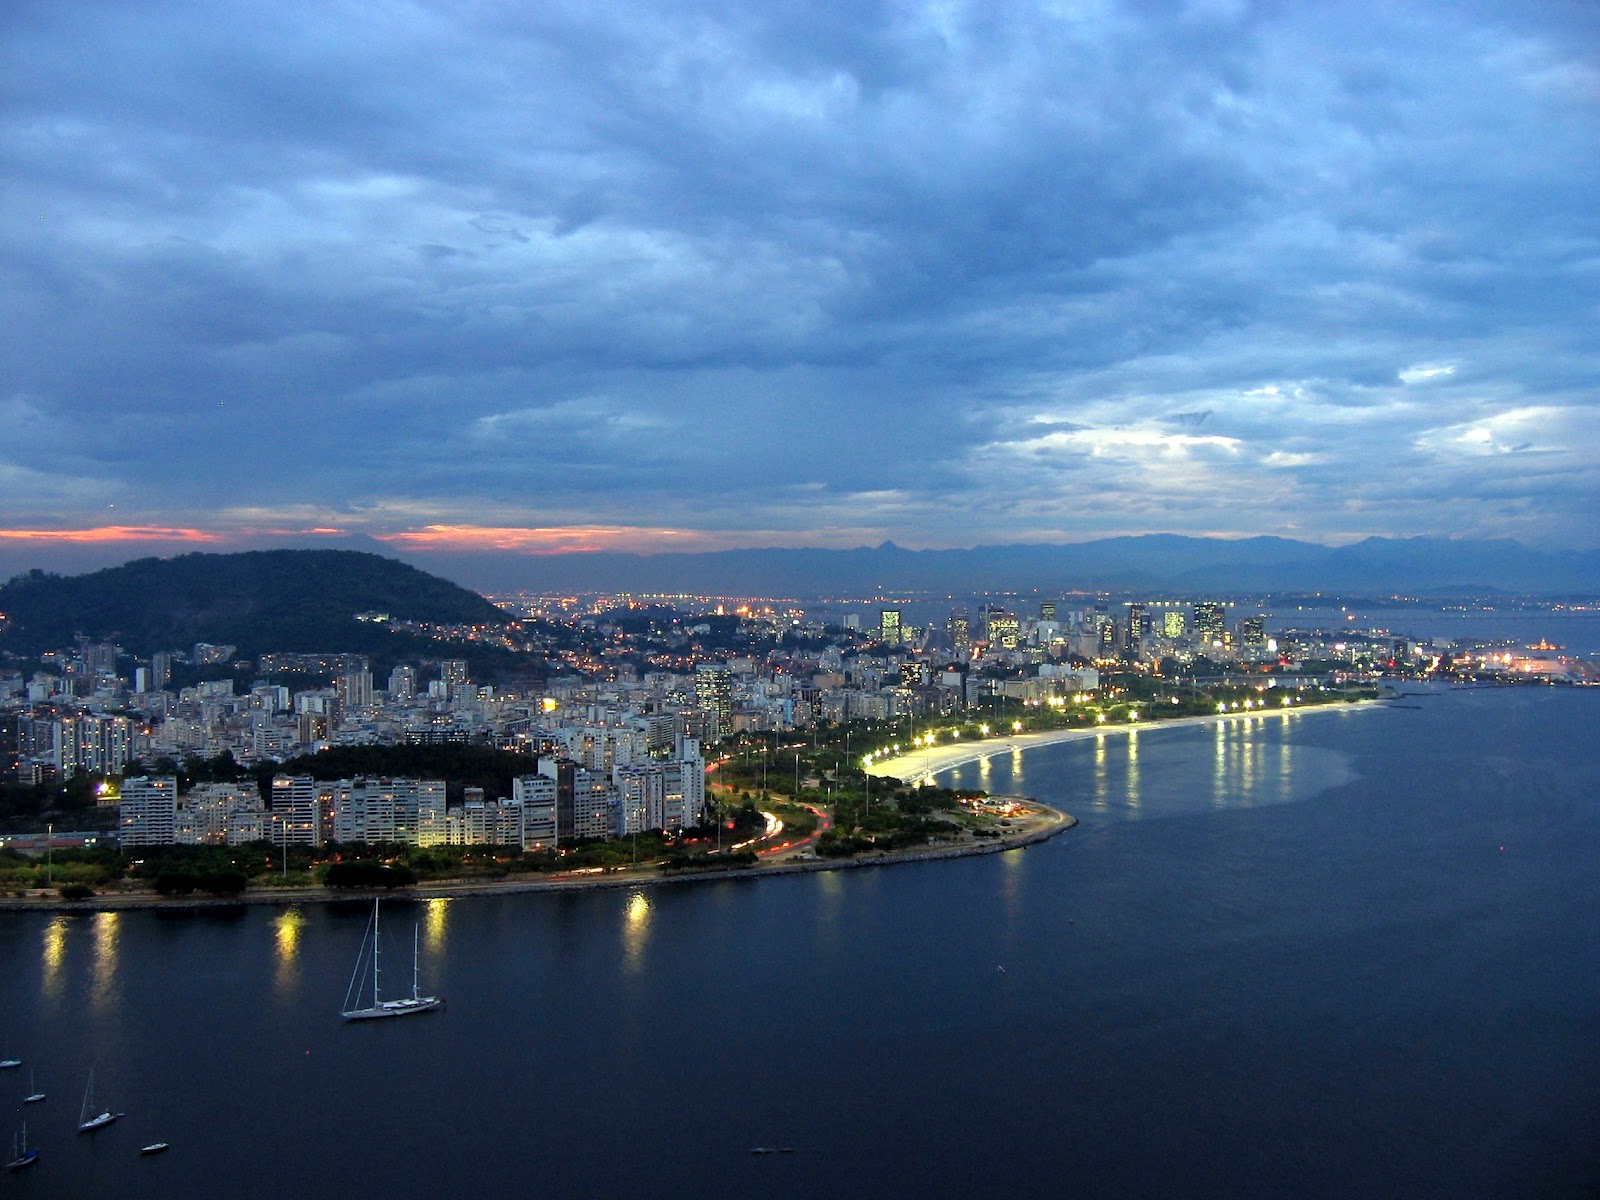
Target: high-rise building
(889, 627)
(355, 690)
(959, 627)
(1047, 610)
(1210, 622)
(215, 814)
(294, 819)
(1005, 629)
(1173, 624)
(642, 798)
(1133, 635)
(148, 812)
(402, 683)
(410, 812)
(691, 782)
(1253, 633)
(563, 772)
(1106, 635)
(480, 822)
(537, 796)
(713, 691)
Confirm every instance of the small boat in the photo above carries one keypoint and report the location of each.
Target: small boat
(21, 1156)
(8, 1063)
(34, 1094)
(156, 1148)
(88, 1123)
(403, 1007)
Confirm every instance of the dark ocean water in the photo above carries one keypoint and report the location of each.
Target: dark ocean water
(1346, 955)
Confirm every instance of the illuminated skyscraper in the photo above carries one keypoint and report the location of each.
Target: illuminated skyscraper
(960, 630)
(889, 627)
(713, 691)
(1106, 628)
(1004, 629)
(1210, 622)
(1133, 635)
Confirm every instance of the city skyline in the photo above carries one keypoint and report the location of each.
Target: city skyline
(444, 282)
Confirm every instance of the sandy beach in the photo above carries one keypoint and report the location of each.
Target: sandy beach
(931, 760)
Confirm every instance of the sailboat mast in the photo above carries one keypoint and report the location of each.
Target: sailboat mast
(377, 952)
(416, 949)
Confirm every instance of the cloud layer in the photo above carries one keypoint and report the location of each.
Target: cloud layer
(637, 276)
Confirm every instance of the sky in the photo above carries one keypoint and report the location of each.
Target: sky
(541, 277)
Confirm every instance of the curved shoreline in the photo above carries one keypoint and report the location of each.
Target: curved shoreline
(1056, 822)
(924, 764)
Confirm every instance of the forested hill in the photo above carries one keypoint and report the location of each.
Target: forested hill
(260, 600)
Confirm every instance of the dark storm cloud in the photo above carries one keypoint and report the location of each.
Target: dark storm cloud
(942, 273)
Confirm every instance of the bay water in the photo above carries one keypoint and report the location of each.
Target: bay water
(1339, 954)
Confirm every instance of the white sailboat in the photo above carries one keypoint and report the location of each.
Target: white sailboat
(354, 1010)
(9, 1061)
(88, 1119)
(34, 1094)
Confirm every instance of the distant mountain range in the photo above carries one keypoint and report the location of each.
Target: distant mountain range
(306, 600)
(293, 600)
(1154, 562)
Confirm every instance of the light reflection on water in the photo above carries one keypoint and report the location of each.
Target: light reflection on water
(635, 932)
(1133, 773)
(1012, 883)
(830, 887)
(106, 925)
(287, 929)
(1151, 773)
(55, 953)
(1219, 765)
(1249, 750)
(435, 919)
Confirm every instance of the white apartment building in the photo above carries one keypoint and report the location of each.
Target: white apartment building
(294, 811)
(148, 812)
(536, 794)
(408, 811)
(220, 814)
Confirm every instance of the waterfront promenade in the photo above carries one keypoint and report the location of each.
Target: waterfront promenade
(1039, 823)
(928, 761)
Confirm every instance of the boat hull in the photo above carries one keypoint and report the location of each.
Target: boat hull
(394, 1008)
(23, 1160)
(99, 1122)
